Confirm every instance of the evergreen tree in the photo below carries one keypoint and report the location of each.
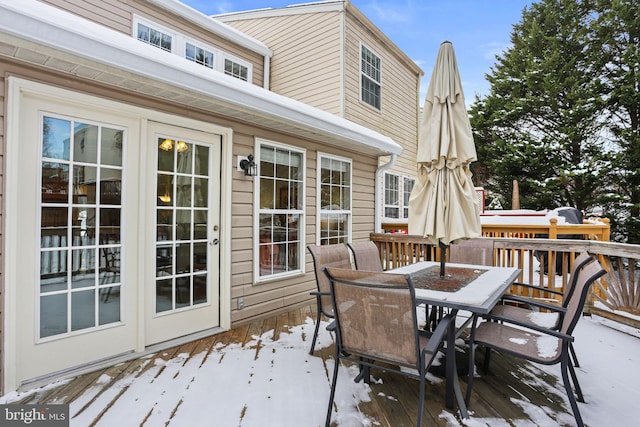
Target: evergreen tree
(542, 120)
(615, 50)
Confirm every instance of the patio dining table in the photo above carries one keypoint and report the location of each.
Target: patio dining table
(469, 288)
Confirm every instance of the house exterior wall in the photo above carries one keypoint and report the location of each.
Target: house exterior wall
(119, 15)
(398, 116)
(258, 298)
(317, 61)
(306, 56)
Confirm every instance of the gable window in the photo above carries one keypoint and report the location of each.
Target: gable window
(334, 186)
(407, 186)
(280, 210)
(154, 36)
(369, 77)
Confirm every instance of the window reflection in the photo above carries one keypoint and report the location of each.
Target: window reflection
(182, 223)
(81, 175)
(335, 200)
(280, 215)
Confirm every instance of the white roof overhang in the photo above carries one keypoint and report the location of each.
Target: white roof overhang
(49, 37)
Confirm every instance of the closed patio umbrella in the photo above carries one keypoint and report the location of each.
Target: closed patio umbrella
(443, 206)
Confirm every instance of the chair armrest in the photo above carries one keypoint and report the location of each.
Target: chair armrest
(536, 328)
(436, 338)
(539, 288)
(535, 303)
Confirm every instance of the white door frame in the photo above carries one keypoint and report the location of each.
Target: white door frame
(18, 89)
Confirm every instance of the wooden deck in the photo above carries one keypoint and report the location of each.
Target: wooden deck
(498, 396)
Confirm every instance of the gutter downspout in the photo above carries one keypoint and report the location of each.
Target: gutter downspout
(379, 200)
(266, 81)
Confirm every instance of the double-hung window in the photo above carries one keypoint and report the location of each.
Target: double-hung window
(369, 77)
(334, 188)
(407, 184)
(280, 210)
(397, 190)
(391, 196)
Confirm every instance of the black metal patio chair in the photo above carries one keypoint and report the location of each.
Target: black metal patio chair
(376, 322)
(336, 255)
(538, 344)
(539, 313)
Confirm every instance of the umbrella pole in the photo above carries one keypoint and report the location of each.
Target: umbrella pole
(443, 255)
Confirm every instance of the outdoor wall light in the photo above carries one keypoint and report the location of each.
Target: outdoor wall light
(249, 167)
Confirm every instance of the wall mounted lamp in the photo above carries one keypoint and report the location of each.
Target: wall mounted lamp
(249, 167)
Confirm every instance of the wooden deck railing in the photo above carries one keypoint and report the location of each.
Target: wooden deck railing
(589, 230)
(612, 296)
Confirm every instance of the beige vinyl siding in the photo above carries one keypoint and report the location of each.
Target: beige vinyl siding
(269, 297)
(119, 14)
(398, 116)
(306, 55)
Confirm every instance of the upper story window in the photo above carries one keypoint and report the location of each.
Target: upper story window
(199, 55)
(334, 188)
(155, 36)
(235, 69)
(369, 77)
(281, 218)
(192, 50)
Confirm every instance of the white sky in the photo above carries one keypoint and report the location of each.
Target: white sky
(478, 30)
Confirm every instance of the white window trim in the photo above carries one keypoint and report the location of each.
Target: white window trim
(360, 74)
(257, 279)
(18, 92)
(179, 44)
(320, 156)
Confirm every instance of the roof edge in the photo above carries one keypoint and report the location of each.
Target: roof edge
(216, 27)
(50, 27)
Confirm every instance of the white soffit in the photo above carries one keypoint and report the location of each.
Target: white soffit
(44, 35)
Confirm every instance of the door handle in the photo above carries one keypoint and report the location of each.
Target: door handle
(214, 242)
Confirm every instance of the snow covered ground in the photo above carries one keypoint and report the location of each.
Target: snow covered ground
(287, 387)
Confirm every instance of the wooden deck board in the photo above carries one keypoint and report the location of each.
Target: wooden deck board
(394, 398)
